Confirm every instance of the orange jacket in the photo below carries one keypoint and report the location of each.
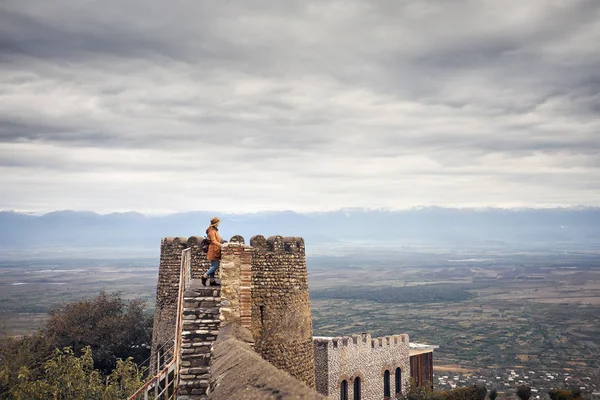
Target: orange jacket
(214, 248)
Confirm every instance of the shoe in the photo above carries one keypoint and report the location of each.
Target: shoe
(213, 283)
(204, 281)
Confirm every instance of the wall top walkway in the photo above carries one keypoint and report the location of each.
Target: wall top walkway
(238, 372)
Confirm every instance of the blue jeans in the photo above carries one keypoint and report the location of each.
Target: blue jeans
(214, 266)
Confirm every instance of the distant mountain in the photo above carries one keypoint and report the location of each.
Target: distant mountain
(427, 225)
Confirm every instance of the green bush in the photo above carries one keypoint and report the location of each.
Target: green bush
(68, 377)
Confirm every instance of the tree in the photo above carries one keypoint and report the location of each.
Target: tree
(112, 327)
(16, 353)
(426, 393)
(493, 394)
(524, 392)
(480, 390)
(68, 377)
(565, 394)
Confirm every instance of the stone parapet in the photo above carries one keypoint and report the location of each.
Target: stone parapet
(362, 340)
(237, 372)
(236, 282)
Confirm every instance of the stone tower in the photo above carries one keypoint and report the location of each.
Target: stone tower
(281, 316)
(264, 287)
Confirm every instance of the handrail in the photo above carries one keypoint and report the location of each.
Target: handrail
(185, 275)
(151, 381)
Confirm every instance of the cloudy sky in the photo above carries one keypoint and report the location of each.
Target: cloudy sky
(160, 106)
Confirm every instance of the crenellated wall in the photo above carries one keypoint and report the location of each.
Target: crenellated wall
(346, 358)
(264, 287)
(167, 289)
(281, 316)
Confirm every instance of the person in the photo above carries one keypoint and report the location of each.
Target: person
(214, 251)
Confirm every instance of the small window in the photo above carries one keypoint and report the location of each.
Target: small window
(357, 388)
(386, 384)
(398, 380)
(344, 390)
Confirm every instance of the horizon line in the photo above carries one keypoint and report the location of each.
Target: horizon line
(342, 209)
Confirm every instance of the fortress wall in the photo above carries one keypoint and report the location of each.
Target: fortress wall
(200, 329)
(236, 282)
(237, 372)
(364, 357)
(167, 288)
(199, 262)
(281, 319)
(322, 367)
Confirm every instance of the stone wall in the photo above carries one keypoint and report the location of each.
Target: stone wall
(167, 289)
(237, 372)
(264, 287)
(236, 282)
(200, 329)
(281, 319)
(347, 358)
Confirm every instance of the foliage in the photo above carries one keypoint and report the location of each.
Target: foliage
(565, 394)
(524, 392)
(123, 381)
(17, 353)
(424, 392)
(480, 390)
(66, 376)
(112, 327)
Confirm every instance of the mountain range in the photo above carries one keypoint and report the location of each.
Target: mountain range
(425, 225)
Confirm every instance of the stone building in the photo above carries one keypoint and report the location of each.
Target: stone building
(373, 368)
(251, 337)
(362, 367)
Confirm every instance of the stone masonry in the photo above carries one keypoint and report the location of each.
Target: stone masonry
(200, 329)
(346, 358)
(236, 282)
(167, 290)
(238, 372)
(264, 288)
(281, 316)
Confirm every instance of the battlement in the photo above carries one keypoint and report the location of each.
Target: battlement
(181, 241)
(278, 244)
(363, 340)
(274, 244)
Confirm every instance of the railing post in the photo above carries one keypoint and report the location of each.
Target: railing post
(157, 385)
(167, 384)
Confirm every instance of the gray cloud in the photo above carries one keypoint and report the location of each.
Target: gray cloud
(303, 105)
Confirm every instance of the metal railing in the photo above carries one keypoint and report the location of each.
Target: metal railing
(164, 384)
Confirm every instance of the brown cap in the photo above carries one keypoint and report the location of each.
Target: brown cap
(215, 221)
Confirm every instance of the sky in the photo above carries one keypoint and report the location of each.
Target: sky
(244, 106)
